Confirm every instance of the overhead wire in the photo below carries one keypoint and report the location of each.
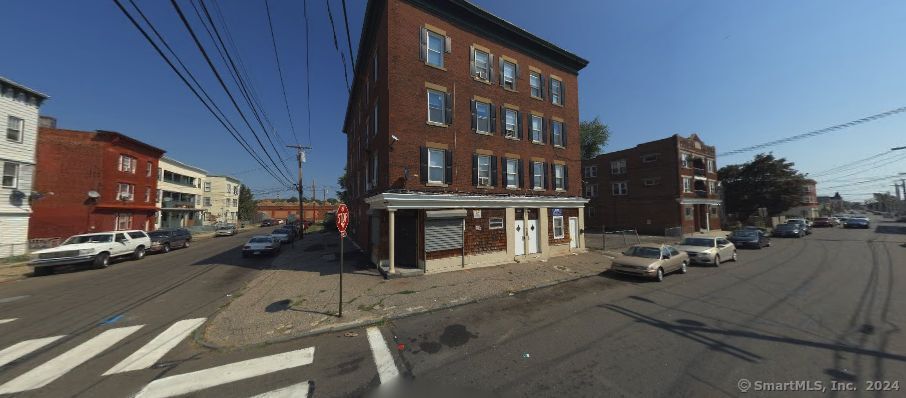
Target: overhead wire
(348, 37)
(307, 69)
(270, 25)
(337, 46)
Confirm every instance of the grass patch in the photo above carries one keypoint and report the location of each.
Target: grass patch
(407, 292)
(14, 259)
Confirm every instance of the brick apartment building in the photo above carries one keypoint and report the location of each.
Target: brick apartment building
(478, 162)
(808, 206)
(654, 186)
(281, 210)
(93, 181)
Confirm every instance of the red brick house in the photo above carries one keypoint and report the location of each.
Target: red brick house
(463, 140)
(93, 181)
(654, 186)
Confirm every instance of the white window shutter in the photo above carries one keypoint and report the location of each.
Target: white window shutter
(448, 45)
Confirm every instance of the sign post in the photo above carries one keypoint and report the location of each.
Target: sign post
(342, 222)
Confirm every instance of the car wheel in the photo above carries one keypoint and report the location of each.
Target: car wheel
(716, 260)
(660, 275)
(683, 268)
(166, 248)
(733, 259)
(102, 260)
(139, 253)
(185, 244)
(42, 271)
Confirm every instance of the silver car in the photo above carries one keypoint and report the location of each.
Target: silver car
(651, 260)
(708, 250)
(226, 230)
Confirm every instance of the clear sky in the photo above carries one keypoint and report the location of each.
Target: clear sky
(736, 72)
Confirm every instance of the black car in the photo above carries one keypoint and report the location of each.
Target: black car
(857, 222)
(268, 223)
(749, 238)
(163, 240)
(792, 229)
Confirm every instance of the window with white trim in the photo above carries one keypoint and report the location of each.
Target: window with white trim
(558, 227)
(556, 91)
(484, 171)
(687, 184)
(374, 121)
(148, 169)
(436, 44)
(374, 169)
(710, 165)
(712, 187)
(436, 165)
(535, 84)
(537, 126)
(591, 190)
(125, 192)
(207, 201)
(509, 75)
(689, 213)
(436, 107)
(482, 117)
(482, 65)
(649, 158)
(147, 194)
(591, 171)
(207, 186)
(685, 160)
(123, 222)
(10, 175)
(618, 167)
(495, 223)
(127, 164)
(538, 175)
(557, 132)
(512, 173)
(559, 177)
(14, 128)
(620, 188)
(511, 123)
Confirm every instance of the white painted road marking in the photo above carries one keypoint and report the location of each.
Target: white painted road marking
(11, 299)
(54, 368)
(207, 378)
(382, 358)
(2, 321)
(152, 352)
(24, 348)
(300, 390)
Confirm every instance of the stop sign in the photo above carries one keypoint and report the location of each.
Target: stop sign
(342, 219)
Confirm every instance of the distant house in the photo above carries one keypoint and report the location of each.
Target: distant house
(808, 204)
(179, 194)
(833, 204)
(220, 199)
(93, 181)
(19, 123)
(281, 210)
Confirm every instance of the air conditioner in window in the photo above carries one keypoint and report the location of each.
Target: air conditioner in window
(483, 74)
(124, 196)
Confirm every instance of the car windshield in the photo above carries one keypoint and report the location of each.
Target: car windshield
(159, 234)
(261, 240)
(745, 234)
(279, 231)
(225, 227)
(787, 226)
(698, 242)
(98, 238)
(644, 252)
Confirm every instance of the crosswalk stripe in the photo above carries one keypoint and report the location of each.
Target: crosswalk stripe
(53, 369)
(24, 348)
(152, 352)
(2, 321)
(300, 390)
(386, 367)
(202, 379)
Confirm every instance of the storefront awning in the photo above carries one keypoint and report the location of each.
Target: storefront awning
(456, 213)
(461, 201)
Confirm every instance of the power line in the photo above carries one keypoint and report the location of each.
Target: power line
(207, 58)
(307, 70)
(337, 46)
(872, 166)
(348, 38)
(845, 166)
(210, 107)
(816, 132)
(270, 25)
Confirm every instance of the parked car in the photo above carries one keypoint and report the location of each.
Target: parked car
(803, 225)
(95, 248)
(261, 244)
(282, 235)
(749, 238)
(823, 222)
(268, 223)
(708, 250)
(226, 230)
(651, 260)
(835, 220)
(789, 230)
(163, 240)
(901, 219)
(754, 228)
(857, 222)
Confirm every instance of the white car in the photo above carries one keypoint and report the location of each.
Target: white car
(96, 248)
(261, 244)
(281, 235)
(708, 250)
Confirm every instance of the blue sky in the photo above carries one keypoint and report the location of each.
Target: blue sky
(736, 72)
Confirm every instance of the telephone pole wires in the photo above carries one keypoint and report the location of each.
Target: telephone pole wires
(300, 150)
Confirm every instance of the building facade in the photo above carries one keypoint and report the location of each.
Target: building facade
(314, 212)
(93, 181)
(477, 164)
(220, 200)
(179, 194)
(657, 186)
(19, 123)
(808, 206)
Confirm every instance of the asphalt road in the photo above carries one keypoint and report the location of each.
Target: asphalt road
(825, 307)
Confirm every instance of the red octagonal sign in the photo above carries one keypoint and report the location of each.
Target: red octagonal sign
(342, 219)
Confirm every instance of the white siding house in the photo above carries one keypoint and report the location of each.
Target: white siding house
(221, 199)
(179, 194)
(19, 125)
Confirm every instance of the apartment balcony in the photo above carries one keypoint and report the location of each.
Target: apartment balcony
(701, 194)
(188, 184)
(175, 204)
(699, 172)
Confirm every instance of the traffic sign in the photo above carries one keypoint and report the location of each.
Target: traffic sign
(342, 219)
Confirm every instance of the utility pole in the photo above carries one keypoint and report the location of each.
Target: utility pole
(301, 158)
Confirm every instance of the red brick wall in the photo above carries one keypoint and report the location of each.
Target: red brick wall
(313, 212)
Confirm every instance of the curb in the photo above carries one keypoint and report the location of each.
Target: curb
(199, 338)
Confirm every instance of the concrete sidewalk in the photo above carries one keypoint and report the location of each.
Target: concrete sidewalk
(299, 295)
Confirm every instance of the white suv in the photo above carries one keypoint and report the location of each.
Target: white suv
(97, 248)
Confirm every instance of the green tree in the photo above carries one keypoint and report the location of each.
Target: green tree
(342, 194)
(594, 136)
(247, 203)
(293, 199)
(765, 181)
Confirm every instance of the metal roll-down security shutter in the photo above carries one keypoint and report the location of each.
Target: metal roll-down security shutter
(443, 234)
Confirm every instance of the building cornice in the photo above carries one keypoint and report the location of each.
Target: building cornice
(393, 201)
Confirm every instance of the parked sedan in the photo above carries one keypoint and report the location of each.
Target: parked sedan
(226, 230)
(803, 225)
(788, 230)
(651, 260)
(282, 235)
(749, 238)
(708, 250)
(163, 240)
(261, 244)
(268, 223)
(857, 222)
(823, 222)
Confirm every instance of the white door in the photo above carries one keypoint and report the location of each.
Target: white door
(519, 237)
(573, 232)
(533, 236)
